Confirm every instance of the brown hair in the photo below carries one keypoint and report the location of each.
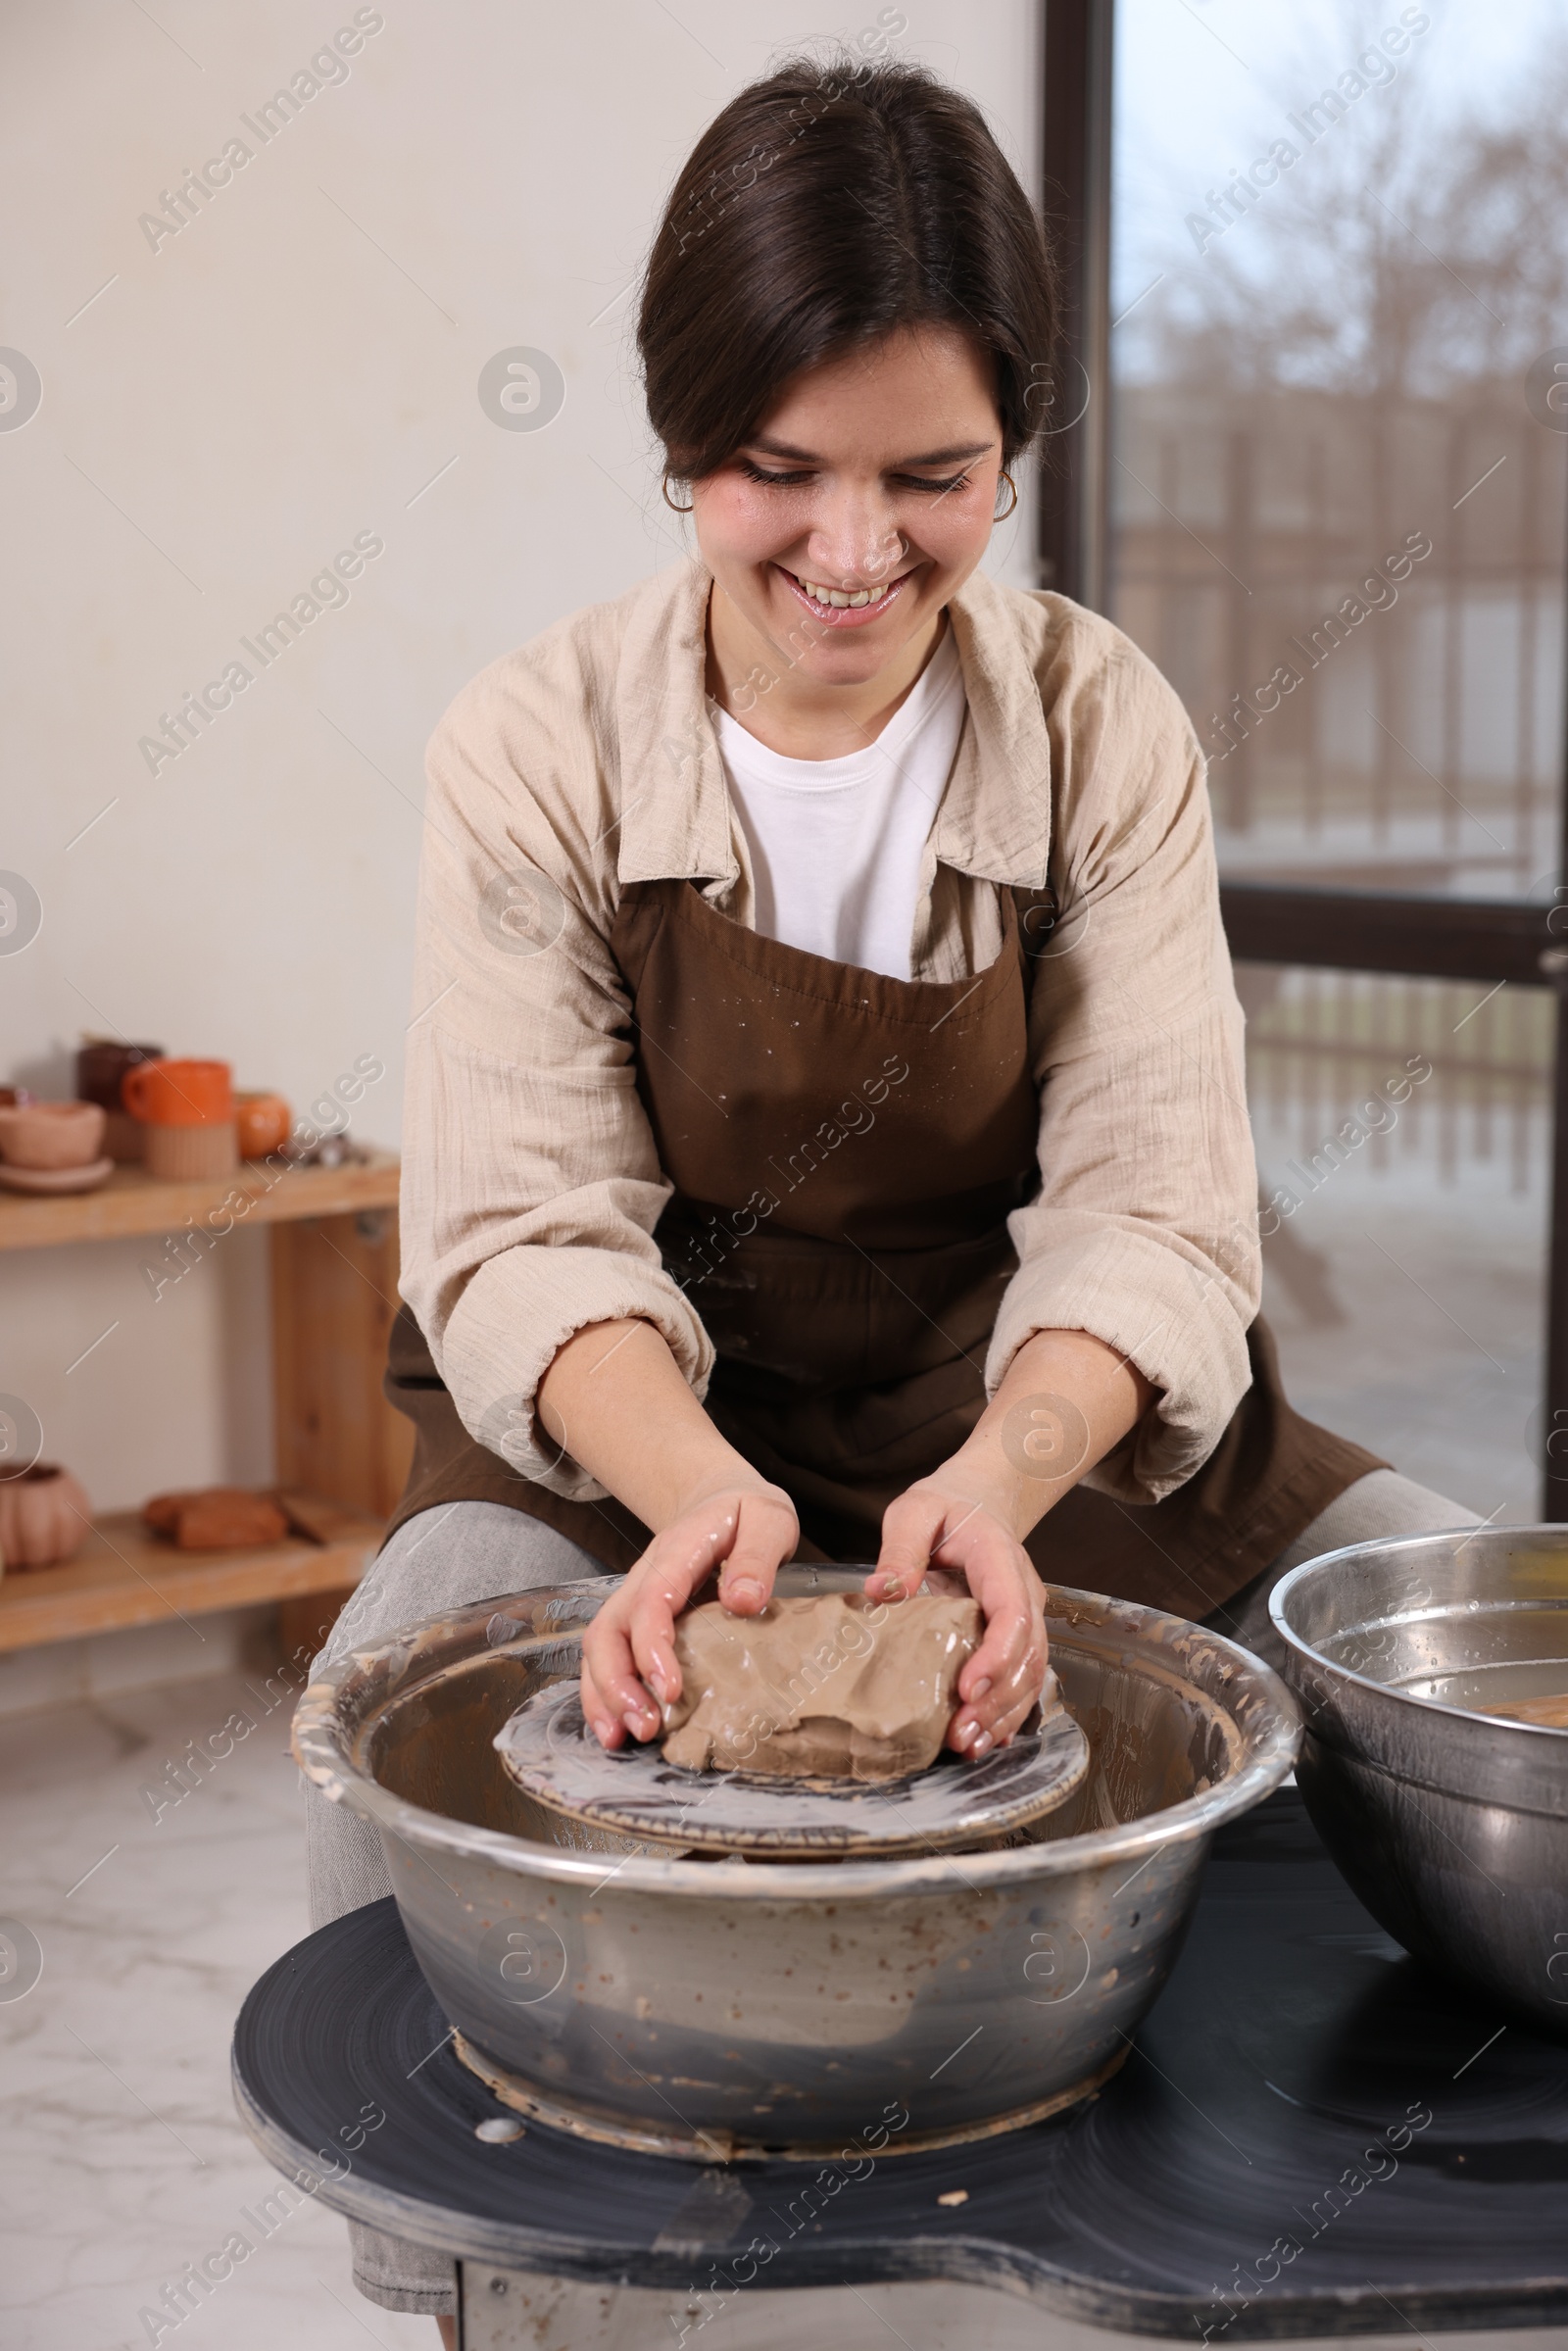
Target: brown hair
(826, 206)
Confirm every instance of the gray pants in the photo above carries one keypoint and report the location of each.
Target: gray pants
(467, 1551)
(442, 1559)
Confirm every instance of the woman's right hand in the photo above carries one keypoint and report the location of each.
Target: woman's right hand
(629, 1670)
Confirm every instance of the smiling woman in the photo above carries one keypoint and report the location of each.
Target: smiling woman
(810, 805)
(842, 407)
(833, 568)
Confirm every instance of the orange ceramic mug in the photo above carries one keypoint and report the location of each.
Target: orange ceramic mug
(179, 1093)
(263, 1121)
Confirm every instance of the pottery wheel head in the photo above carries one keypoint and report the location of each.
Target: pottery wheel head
(549, 1750)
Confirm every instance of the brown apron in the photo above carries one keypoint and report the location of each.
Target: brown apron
(845, 1150)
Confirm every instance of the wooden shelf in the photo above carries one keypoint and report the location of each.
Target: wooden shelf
(124, 1576)
(335, 1286)
(134, 1202)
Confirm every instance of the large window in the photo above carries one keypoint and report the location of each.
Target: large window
(1334, 485)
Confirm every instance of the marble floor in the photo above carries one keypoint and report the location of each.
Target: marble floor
(121, 2155)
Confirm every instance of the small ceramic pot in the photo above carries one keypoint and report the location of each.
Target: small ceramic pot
(101, 1066)
(187, 1155)
(179, 1093)
(263, 1121)
(123, 1138)
(50, 1134)
(44, 1517)
(187, 1114)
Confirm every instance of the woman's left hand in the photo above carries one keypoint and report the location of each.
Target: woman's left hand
(948, 1521)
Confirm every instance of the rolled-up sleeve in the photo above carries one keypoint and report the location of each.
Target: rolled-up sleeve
(531, 1183)
(1144, 1232)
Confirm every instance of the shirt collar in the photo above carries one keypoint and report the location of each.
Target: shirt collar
(995, 818)
(675, 814)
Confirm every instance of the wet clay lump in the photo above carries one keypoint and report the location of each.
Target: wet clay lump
(840, 1687)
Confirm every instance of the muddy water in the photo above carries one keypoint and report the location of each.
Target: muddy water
(1550, 1712)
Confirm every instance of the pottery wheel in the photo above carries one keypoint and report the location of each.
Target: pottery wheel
(549, 1750)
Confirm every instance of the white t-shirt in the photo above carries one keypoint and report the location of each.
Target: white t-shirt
(836, 844)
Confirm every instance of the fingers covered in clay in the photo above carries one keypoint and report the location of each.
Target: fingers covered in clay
(616, 1693)
(1004, 1689)
(765, 1536)
(1000, 1684)
(1003, 1680)
(912, 1527)
(630, 1670)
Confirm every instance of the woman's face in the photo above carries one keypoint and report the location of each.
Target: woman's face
(873, 479)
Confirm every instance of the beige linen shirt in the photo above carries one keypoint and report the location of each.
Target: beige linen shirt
(587, 760)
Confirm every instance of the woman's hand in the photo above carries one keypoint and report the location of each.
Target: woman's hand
(628, 1652)
(951, 1521)
(614, 1399)
(1065, 1401)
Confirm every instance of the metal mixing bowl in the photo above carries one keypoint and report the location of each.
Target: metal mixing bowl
(1451, 1825)
(727, 2007)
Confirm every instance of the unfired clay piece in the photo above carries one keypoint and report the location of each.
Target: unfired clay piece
(841, 1687)
(215, 1518)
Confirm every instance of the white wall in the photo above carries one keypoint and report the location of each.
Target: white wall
(294, 367)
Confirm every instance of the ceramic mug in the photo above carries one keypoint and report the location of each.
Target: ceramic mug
(101, 1067)
(263, 1121)
(179, 1093)
(190, 1154)
(42, 1135)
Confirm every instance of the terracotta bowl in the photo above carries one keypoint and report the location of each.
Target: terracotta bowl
(44, 1517)
(50, 1134)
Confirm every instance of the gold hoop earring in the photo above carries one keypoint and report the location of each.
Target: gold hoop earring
(1013, 487)
(673, 504)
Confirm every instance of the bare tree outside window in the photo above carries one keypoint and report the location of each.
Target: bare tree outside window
(1339, 490)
